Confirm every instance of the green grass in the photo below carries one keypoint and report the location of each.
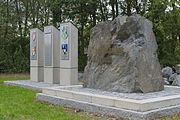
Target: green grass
(18, 103)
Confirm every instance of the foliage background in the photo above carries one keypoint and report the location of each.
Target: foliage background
(18, 16)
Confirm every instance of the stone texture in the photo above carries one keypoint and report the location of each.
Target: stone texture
(133, 69)
(167, 72)
(166, 82)
(172, 77)
(80, 76)
(176, 80)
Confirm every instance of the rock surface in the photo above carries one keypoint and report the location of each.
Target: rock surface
(80, 76)
(133, 69)
(167, 72)
(166, 82)
(176, 80)
(172, 77)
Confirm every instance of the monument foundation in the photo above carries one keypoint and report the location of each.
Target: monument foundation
(122, 77)
(133, 106)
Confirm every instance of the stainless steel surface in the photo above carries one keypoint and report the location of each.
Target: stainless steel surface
(48, 49)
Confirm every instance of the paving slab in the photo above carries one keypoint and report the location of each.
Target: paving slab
(38, 86)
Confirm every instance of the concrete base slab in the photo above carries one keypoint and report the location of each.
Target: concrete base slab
(106, 110)
(125, 105)
(38, 86)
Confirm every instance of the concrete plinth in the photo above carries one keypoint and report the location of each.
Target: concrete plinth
(51, 56)
(69, 54)
(126, 105)
(36, 55)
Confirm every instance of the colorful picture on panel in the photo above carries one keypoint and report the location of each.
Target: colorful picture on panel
(64, 49)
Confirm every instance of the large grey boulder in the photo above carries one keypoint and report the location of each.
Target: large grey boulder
(122, 57)
(167, 72)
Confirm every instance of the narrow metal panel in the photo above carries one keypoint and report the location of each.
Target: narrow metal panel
(48, 49)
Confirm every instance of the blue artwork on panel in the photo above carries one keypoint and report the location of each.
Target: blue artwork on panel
(64, 52)
(64, 49)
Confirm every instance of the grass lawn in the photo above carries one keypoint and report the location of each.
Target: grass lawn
(18, 103)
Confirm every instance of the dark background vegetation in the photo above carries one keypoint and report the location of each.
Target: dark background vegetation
(18, 16)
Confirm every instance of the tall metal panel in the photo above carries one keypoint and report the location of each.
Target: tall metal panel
(48, 49)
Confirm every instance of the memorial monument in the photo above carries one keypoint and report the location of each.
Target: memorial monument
(52, 55)
(36, 55)
(122, 77)
(122, 57)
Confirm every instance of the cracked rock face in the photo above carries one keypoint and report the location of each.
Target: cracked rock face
(122, 57)
(167, 72)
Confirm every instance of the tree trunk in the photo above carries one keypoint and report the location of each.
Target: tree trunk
(117, 8)
(128, 7)
(26, 18)
(102, 12)
(7, 20)
(19, 17)
(113, 9)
